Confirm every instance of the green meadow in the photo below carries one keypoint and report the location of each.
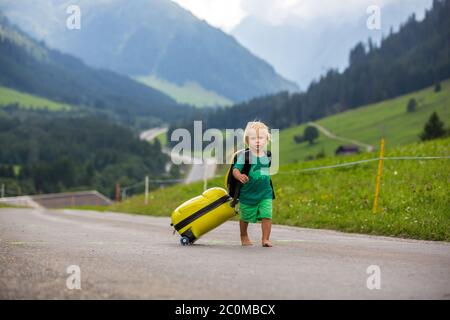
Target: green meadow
(369, 123)
(189, 93)
(27, 101)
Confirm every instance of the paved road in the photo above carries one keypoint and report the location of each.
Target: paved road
(131, 256)
(152, 133)
(199, 170)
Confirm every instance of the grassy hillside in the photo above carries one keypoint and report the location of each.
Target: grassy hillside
(28, 65)
(27, 101)
(413, 201)
(368, 123)
(190, 93)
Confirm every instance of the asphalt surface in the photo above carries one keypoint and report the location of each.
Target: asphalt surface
(152, 133)
(199, 170)
(137, 257)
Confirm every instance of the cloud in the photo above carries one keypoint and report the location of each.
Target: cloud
(226, 14)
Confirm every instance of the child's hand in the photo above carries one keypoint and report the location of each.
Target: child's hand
(242, 178)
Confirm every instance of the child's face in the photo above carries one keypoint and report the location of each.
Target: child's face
(257, 138)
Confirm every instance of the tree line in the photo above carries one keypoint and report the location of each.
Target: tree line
(44, 153)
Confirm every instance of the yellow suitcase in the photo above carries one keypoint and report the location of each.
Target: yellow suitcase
(201, 214)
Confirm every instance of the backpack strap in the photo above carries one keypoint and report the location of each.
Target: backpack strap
(247, 164)
(234, 184)
(273, 190)
(269, 155)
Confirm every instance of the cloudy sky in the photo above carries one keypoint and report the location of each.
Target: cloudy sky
(226, 14)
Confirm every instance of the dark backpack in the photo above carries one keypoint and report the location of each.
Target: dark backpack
(232, 184)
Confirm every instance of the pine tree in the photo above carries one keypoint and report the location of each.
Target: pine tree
(433, 129)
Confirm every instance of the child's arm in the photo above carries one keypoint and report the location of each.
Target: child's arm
(240, 176)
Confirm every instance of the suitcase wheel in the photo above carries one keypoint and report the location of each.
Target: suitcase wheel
(184, 241)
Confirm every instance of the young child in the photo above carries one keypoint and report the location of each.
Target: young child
(255, 199)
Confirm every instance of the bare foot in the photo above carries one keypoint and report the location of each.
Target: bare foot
(245, 241)
(267, 244)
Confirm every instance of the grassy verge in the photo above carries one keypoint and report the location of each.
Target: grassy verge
(4, 205)
(413, 203)
(414, 200)
(90, 207)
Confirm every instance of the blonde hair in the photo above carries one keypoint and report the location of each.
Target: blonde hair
(255, 125)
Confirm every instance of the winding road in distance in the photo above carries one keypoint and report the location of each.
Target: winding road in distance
(198, 172)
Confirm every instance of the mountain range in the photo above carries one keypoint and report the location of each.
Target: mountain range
(30, 66)
(302, 50)
(143, 38)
